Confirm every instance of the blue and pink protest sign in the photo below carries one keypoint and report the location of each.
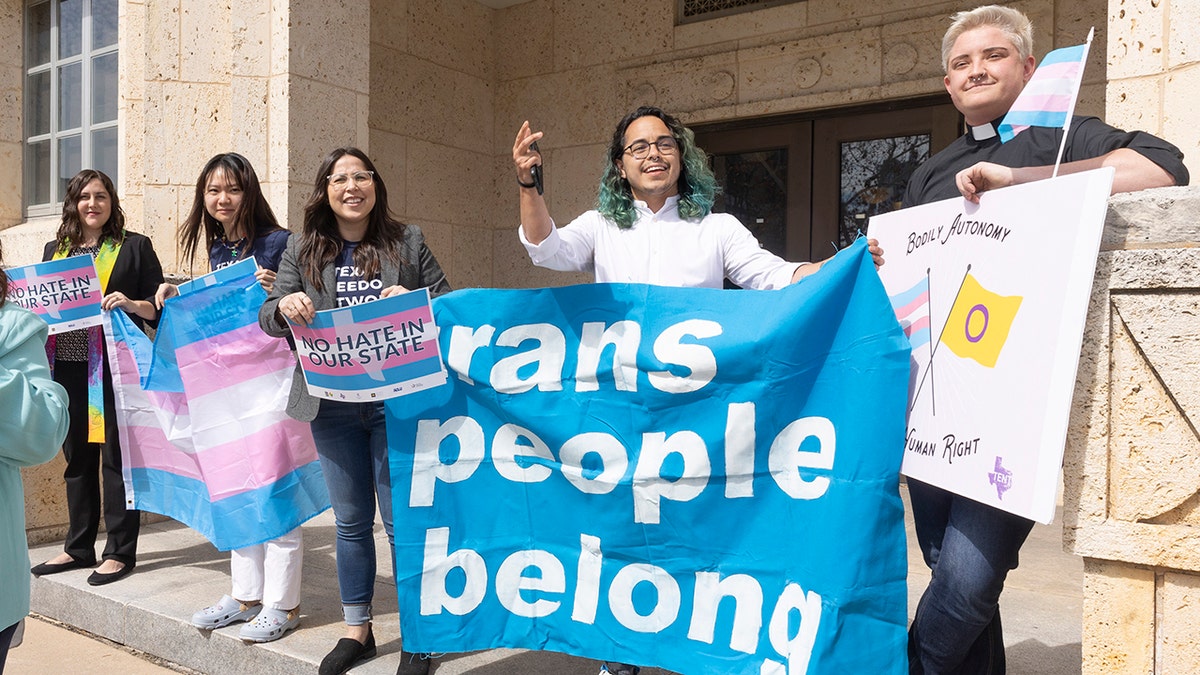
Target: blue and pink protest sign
(65, 293)
(373, 351)
(697, 479)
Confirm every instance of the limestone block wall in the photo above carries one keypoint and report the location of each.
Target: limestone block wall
(12, 80)
(574, 68)
(266, 78)
(431, 125)
(1154, 70)
(1132, 466)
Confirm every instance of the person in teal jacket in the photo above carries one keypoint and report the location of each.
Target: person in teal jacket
(33, 424)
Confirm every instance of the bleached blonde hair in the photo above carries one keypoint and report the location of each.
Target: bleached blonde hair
(1012, 22)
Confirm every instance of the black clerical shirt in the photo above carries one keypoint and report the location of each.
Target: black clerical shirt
(1036, 146)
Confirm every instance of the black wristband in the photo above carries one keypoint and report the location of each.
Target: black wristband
(525, 185)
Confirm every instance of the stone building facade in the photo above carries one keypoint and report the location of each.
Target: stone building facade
(435, 90)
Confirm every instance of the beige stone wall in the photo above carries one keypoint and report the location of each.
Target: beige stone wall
(12, 81)
(1154, 70)
(1132, 464)
(195, 81)
(320, 91)
(431, 126)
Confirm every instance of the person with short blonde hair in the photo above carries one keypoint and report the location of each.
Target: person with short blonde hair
(970, 547)
(1015, 26)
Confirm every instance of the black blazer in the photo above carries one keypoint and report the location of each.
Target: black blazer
(136, 272)
(417, 269)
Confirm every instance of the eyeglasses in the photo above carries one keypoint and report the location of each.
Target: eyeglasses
(361, 179)
(641, 149)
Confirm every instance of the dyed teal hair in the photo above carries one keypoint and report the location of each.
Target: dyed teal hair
(698, 186)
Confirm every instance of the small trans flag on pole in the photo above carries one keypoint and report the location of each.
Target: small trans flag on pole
(1048, 99)
(912, 310)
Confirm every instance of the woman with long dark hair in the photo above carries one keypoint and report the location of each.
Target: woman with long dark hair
(94, 224)
(33, 422)
(351, 250)
(234, 221)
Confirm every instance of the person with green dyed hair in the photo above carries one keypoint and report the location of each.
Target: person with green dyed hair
(653, 222)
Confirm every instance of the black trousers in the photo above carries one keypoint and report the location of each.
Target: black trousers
(88, 466)
(6, 637)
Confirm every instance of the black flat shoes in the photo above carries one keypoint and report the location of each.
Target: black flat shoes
(99, 579)
(346, 653)
(54, 568)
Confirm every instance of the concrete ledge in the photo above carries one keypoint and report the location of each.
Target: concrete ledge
(179, 572)
(1159, 218)
(23, 243)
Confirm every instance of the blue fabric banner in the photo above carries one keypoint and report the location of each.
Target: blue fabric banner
(701, 480)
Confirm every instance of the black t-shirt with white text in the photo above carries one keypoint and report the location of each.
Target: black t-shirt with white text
(352, 287)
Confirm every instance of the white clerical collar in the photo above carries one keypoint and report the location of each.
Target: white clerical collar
(983, 131)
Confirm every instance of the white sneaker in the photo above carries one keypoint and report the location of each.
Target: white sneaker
(270, 624)
(226, 611)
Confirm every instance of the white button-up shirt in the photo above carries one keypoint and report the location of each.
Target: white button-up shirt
(662, 249)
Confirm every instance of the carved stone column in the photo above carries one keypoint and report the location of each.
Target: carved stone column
(1132, 467)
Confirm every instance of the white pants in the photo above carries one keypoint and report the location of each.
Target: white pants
(269, 572)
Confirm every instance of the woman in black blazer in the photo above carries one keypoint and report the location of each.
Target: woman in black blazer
(94, 224)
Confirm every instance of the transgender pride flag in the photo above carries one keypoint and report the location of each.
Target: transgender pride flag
(912, 310)
(1048, 99)
(204, 436)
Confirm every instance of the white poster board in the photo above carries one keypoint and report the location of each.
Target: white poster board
(994, 296)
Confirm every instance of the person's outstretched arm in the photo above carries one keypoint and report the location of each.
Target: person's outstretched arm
(535, 217)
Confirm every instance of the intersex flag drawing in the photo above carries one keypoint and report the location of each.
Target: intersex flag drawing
(979, 322)
(204, 436)
(1048, 99)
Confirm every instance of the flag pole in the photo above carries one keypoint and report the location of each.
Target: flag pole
(938, 343)
(1087, 47)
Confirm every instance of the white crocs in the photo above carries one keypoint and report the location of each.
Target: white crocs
(270, 624)
(225, 612)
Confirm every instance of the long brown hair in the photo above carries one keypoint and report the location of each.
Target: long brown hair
(70, 230)
(254, 217)
(320, 242)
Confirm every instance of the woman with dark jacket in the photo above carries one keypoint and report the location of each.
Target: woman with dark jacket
(350, 251)
(94, 224)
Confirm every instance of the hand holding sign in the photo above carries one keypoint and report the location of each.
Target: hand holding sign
(65, 293)
(373, 351)
(297, 308)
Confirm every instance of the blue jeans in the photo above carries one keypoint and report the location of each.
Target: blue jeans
(970, 548)
(352, 444)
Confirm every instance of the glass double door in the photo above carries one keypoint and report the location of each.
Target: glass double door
(806, 186)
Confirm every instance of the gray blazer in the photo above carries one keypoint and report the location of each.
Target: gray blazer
(418, 269)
